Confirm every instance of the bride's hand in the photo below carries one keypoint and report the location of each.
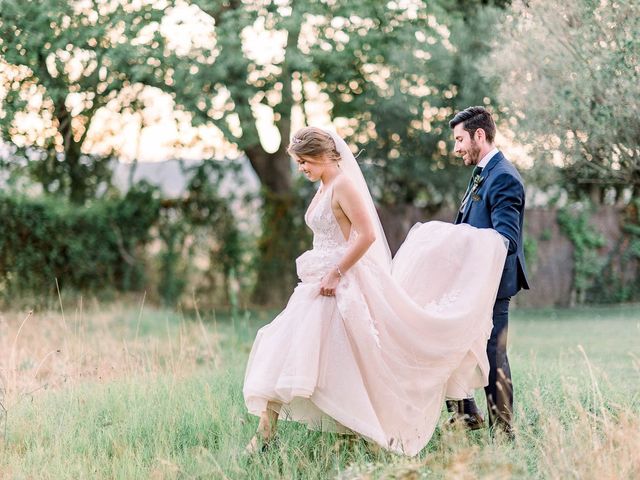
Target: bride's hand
(329, 283)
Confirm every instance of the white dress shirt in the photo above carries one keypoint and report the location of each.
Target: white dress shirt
(483, 163)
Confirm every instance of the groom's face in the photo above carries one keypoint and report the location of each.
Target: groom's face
(465, 147)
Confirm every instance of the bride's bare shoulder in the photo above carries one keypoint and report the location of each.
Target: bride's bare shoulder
(343, 184)
(345, 189)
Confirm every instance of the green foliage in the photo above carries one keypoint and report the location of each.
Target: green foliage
(62, 62)
(395, 80)
(200, 227)
(103, 246)
(546, 234)
(396, 73)
(575, 100)
(586, 241)
(632, 227)
(530, 247)
(390, 76)
(620, 279)
(173, 266)
(282, 216)
(93, 248)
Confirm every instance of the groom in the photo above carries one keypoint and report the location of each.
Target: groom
(494, 199)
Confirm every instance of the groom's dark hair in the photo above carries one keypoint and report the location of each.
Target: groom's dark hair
(475, 118)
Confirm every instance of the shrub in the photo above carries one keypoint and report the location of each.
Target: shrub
(88, 248)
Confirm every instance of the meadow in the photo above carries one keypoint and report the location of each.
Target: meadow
(127, 391)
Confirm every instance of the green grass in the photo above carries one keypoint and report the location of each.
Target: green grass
(180, 413)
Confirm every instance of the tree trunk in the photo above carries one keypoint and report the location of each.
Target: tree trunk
(282, 223)
(281, 220)
(279, 246)
(595, 194)
(77, 180)
(72, 166)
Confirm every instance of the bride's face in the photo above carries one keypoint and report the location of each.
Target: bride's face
(312, 167)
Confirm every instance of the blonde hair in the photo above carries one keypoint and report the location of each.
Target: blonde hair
(313, 142)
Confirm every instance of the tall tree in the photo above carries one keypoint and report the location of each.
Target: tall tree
(61, 62)
(225, 87)
(571, 80)
(383, 71)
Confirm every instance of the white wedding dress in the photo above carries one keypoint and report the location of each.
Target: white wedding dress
(380, 357)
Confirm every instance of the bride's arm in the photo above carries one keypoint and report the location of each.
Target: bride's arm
(355, 210)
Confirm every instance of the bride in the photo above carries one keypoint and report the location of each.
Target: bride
(367, 344)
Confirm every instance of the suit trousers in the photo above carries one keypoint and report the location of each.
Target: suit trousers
(499, 391)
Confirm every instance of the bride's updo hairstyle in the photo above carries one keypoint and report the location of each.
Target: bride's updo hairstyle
(311, 143)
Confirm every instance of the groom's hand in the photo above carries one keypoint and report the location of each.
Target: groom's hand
(329, 283)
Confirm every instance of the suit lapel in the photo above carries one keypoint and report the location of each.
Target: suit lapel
(467, 207)
(486, 171)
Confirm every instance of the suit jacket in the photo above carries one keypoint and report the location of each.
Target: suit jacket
(498, 203)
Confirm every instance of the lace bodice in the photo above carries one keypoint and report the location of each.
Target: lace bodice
(329, 243)
(329, 246)
(322, 221)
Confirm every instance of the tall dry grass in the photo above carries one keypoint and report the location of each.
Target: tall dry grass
(127, 391)
(49, 350)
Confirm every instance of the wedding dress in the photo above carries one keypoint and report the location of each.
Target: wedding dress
(398, 338)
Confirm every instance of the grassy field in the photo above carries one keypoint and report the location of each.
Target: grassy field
(126, 391)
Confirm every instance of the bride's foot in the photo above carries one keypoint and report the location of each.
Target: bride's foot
(259, 444)
(256, 445)
(266, 431)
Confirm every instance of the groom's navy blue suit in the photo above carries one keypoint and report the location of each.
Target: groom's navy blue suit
(498, 203)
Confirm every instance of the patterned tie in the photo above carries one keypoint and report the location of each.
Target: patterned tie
(476, 171)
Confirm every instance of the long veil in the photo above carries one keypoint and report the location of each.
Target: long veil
(379, 252)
